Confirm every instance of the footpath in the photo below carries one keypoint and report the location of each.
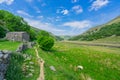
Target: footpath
(41, 62)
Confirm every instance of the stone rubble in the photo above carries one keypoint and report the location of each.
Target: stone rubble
(4, 61)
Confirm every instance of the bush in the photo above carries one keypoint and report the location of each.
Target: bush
(45, 40)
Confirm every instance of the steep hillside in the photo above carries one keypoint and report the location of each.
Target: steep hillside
(10, 22)
(106, 30)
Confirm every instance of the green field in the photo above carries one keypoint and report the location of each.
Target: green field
(9, 45)
(99, 63)
(112, 39)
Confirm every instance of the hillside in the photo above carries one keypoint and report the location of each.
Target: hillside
(10, 23)
(106, 30)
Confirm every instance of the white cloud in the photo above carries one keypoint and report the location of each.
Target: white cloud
(79, 24)
(8, 2)
(97, 4)
(23, 13)
(78, 9)
(44, 26)
(74, 1)
(65, 12)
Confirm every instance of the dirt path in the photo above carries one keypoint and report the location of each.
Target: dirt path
(41, 62)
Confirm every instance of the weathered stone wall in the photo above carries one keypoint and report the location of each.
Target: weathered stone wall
(4, 61)
(17, 36)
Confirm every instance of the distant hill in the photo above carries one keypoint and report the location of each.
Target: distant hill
(102, 31)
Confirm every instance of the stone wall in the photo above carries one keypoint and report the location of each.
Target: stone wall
(4, 61)
(17, 36)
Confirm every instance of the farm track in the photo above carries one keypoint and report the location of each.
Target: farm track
(94, 44)
(41, 62)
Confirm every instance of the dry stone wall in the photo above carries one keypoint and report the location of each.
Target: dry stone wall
(4, 61)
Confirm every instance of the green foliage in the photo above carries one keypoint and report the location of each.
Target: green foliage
(10, 22)
(2, 32)
(103, 32)
(15, 68)
(45, 40)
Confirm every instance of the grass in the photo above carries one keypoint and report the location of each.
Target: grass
(100, 63)
(112, 39)
(9, 45)
(23, 66)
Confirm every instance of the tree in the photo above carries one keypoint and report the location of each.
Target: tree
(45, 40)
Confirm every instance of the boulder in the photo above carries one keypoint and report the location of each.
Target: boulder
(1, 76)
(80, 67)
(7, 52)
(30, 44)
(1, 55)
(52, 68)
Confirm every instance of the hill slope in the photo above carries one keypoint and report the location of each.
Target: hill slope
(106, 30)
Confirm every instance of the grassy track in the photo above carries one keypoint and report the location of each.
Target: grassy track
(100, 63)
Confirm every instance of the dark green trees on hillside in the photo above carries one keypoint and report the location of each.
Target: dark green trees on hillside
(105, 31)
(11, 22)
(2, 32)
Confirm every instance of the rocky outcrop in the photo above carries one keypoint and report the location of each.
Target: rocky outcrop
(24, 46)
(4, 61)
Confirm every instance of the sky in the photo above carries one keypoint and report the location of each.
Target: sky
(63, 17)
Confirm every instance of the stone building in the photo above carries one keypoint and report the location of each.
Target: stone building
(17, 36)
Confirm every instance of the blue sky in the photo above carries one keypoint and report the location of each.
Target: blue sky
(64, 17)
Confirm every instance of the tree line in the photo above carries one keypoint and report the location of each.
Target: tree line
(105, 31)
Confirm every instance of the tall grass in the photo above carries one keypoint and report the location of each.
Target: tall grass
(99, 63)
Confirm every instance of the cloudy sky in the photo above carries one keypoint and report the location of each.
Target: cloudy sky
(64, 17)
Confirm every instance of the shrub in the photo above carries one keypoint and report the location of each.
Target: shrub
(45, 40)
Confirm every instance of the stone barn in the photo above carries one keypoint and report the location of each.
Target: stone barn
(17, 36)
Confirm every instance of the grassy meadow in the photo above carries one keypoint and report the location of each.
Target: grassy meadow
(8, 45)
(99, 63)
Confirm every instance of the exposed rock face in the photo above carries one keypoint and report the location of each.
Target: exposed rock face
(17, 36)
(4, 61)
